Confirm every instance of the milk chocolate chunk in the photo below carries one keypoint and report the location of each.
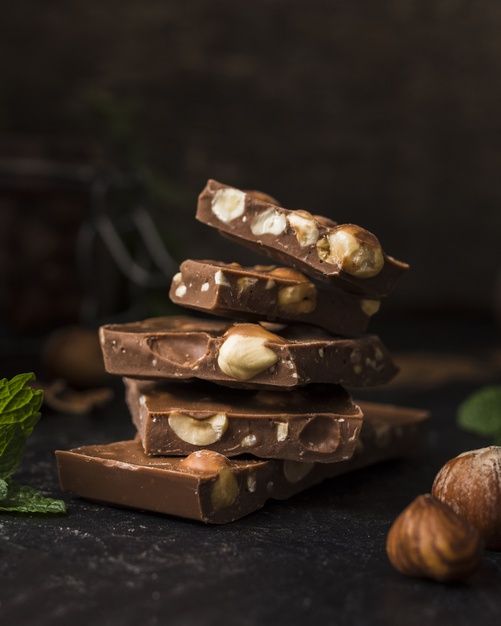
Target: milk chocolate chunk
(242, 355)
(345, 255)
(313, 423)
(269, 293)
(211, 488)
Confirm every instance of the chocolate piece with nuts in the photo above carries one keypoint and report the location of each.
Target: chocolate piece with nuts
(242, 355)
(314, 423)
(345, 255)
(269, 293)
(208, 487)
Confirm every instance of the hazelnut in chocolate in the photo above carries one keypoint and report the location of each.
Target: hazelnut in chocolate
(313, 423)
(242, 355)
(211, 488)
(345, 255)
(270, 293)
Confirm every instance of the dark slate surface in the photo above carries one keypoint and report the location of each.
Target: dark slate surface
(318, 557)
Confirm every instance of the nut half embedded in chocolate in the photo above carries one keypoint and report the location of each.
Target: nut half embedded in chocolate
(198, 432)
(370, 307)
(304, 227)
(228, 204)
(225, 489)
(205, 461)
(298, 299)
(269, 222)
(355, 250)
(244, 354)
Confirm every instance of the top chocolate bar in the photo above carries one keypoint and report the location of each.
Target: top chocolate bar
(344, 254)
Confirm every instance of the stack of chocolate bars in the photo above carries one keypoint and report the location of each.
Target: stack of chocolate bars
(250, 405)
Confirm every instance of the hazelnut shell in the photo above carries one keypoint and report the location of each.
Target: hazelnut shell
(429, 540)
(471, 485)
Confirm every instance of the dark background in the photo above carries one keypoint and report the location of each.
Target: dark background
(384, 114)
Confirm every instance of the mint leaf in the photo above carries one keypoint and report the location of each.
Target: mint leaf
(19, 413)
(28, 500)
(10, 390)
(481, 412)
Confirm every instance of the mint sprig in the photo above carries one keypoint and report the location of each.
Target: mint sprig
(28, 500)
(19, 413)
(481, 413)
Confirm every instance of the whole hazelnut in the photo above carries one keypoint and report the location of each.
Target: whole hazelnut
(471, 485)
(73, 354)
(429, 540)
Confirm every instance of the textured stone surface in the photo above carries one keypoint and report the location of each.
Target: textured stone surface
(319, 556)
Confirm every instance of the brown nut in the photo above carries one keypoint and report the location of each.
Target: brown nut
(244, 283)
(224, 490)
(269, 222)
(264, 268)
(370, 307)
(228, 204)
(353, 249)
(471, 485)
(297, 299)
(205, 461)
(288, 273)
(73, 354)
(198, 431)
(429, 540)
(304, 226)
(244, 354)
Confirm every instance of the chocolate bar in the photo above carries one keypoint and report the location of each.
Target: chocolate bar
(242, 355)
(208, 487)
(313, 423)
(269, 293)
(345, 255)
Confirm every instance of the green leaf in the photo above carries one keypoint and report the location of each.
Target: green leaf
(10, 388)
(12, 444)
(28, 500)
(19, 413)
(481, 412)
